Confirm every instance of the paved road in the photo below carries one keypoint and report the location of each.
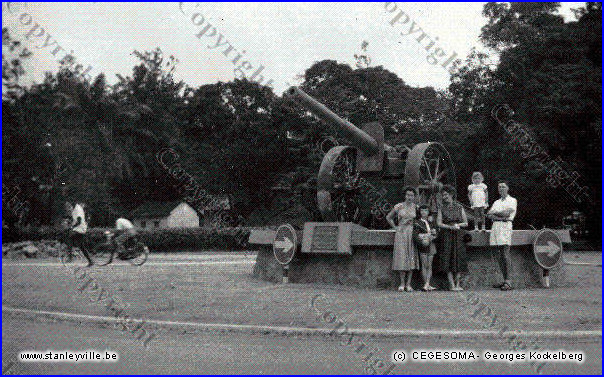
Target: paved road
(209, 353)
(218, 288)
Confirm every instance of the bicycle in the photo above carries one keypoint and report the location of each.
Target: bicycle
(133, 251)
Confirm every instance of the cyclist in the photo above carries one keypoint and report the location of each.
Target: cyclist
(125, 231)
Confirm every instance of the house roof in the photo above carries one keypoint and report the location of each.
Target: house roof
(152, 210)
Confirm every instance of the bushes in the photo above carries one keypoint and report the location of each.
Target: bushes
(196, 238)
(172, 239)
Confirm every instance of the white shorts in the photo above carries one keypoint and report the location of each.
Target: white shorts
(501, 233)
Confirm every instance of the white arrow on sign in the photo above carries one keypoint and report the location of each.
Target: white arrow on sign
(550, 249)
(286, 245)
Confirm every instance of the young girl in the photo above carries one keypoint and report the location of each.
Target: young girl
(479, 199)
(424, 233)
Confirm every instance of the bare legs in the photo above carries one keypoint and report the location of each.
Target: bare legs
(77, 240)
(402, 276)
(405, 281)
(505, 263)
(427, 270)
(479, 218)
(454, 281)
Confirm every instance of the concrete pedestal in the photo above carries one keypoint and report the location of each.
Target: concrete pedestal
(370, 267)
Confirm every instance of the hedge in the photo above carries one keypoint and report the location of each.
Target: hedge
(170, 239)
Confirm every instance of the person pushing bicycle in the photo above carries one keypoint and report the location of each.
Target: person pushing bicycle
(78, 227)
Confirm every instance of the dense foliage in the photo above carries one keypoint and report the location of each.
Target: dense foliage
(550, 74)
(67, 138)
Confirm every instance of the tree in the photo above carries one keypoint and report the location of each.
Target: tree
(511, 24)
(13, 55)
(236, 145)
(374, 94)
(550, 76)
(93, 142)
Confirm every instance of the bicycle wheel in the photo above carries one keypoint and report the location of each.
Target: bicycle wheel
(140, 253)
(103, 254)
(71, 257)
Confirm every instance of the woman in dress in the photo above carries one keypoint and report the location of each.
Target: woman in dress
(452, 251)
(405, 258)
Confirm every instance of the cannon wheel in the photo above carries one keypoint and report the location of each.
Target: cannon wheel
(428, 168)
(338, 186)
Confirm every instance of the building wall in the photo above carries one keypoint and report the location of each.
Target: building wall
(183, 216)
(149, 223)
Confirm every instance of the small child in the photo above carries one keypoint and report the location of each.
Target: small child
(424, 233)
(479, 199)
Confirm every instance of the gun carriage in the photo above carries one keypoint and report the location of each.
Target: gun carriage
(347, 172)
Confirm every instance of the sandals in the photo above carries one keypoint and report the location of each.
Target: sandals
(503, 286)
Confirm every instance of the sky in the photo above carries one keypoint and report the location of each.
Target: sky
(279, 41)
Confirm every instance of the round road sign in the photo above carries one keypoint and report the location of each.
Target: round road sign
(285, 244)
(547, 248)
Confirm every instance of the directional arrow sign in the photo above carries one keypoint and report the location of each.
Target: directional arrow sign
(285, 244)
(547, 249)
(550, 249)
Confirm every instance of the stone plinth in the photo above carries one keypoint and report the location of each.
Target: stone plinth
(370, 267)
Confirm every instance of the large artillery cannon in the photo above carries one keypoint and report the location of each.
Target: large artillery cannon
(342, 248)
(350, 176)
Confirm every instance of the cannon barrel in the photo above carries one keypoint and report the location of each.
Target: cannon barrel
(355, 135)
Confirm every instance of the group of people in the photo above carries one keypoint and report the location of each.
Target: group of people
(418, 238)
(75, 222)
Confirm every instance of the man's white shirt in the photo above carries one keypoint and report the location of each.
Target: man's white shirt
(123, 224)
(78, 211)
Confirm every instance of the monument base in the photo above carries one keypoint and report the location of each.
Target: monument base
(370, 267)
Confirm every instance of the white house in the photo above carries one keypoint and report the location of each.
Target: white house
(165, 215)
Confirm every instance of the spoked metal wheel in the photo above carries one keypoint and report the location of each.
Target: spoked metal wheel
(140, 253)
(72, 258)
(103, 254)
(338, 191)
(428, 168)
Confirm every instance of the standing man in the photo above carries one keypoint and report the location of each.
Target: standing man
(502, 213)
(78, 231)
